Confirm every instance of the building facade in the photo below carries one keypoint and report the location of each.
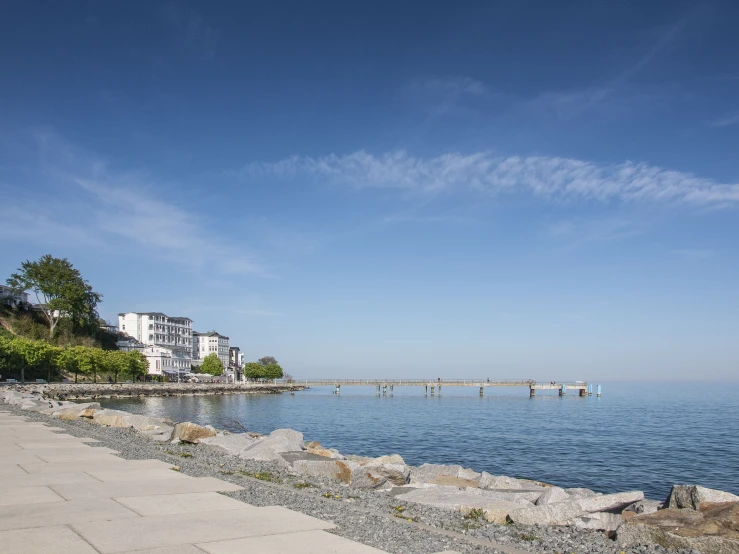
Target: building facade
(234, 357)
(155, 329)
(7, 296)
(209, 343)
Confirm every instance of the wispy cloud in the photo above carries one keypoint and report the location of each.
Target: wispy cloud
(726, 120)
(547, 177)
(595, 230)
(90, 204)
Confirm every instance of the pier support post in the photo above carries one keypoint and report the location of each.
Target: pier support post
(590, 390)
(563, 390)
(292, 391)
(391, 390)
(598, 393)
(426, 390)
(338, 389)
(378, 390)
(432, 390)
(532, 392)
(481, 392)
(384, 390)
(439, 390)
(583, 392)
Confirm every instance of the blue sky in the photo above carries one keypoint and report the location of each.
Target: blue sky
(498, 189)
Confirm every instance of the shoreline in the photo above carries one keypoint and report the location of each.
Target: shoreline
(383, 512)
(92, 391)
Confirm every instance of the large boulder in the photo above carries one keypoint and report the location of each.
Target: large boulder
(337, 470)
(599, 521)
(392, 467)
(230, 444)
(270, 447)
(76, 411)
(645, 506)
(553, 495)
(610, 502)
(559, 513)
(110, 418)
(580, 493)
(691, 496)
(428, 473)
(503, 482)
(496, 505)
(314, 447)
(191, 432)
(366, 478)
(712, 529)
(288, 435)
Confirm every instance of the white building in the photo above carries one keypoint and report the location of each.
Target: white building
(166, 361)
(7, 296)
(208, 343)
(155, 329)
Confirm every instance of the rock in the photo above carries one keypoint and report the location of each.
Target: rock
(449, 481)
(645, 506)
(580, 493)
(392, 467)
(496, 505)
(609, 502)
(230, 444)
(548, 514)
(191, 432)
(712, 529)
(553, 495)
(366, 478)
(502, 482)
(78, 410)
(162, 434)
(427, 473)
(339, 470)
(289, 435)
(314, 447)
(599, 521)
(468, 474)
(691, 496)
(110, 418)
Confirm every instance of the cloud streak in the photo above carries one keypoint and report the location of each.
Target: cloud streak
(548, 177)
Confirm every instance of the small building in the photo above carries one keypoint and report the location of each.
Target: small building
(7, 296)
(166, 361)
(209, 343)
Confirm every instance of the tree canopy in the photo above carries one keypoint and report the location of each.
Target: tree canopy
(59, 288)
(258, 370)
(267, 360)
(212, 365)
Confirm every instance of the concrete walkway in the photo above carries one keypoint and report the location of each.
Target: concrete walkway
(59, 495)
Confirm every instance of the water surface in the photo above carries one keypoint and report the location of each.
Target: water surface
(643, 436)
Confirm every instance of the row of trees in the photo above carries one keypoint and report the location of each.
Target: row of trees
(40, 360)
(265, 368)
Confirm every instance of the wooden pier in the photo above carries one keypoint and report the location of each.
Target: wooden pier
(434, 386)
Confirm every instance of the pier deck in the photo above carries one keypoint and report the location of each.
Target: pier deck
(436, 384)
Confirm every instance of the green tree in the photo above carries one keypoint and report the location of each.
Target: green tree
(254, 370)
(23, 354)
(136, 364)
(273, 371)
(212, 365)
(69, 359)
(59, 289)
(267, 360)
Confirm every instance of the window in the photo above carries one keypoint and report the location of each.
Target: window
(124, 328)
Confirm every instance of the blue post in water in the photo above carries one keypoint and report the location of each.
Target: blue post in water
(563, 390)
(590, 390)
(598, 393)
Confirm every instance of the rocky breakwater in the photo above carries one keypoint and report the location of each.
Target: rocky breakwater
(693, 518)
(80, 391)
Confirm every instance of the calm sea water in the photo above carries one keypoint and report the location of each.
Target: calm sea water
(643, 436)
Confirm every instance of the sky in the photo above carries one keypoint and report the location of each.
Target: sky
(544, 190)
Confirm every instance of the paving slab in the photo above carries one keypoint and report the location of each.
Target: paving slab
(119, 464)
(306, 542)
(50, 540)
(133, 474)
(8, 469)
(59, 513)
(179, 549)
(21, 457)
(27, 495)
(195, 502)
(56, 444)
(43, 479)
(74, 457)
(149, 487)
(169, 530)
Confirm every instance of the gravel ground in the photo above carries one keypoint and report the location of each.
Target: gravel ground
(372, 518)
